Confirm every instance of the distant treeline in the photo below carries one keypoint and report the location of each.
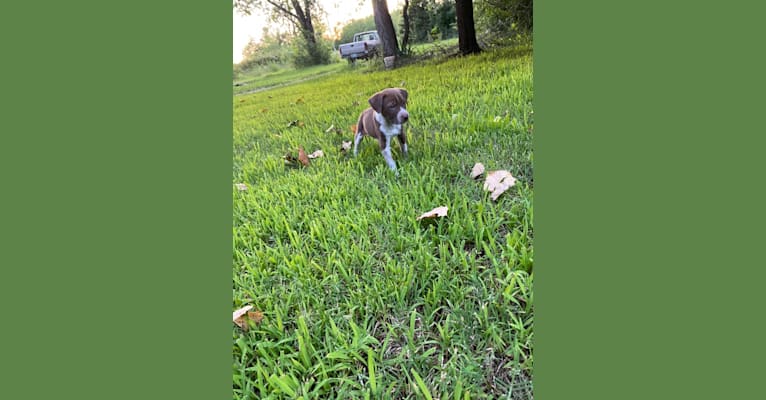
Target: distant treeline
(430, 20)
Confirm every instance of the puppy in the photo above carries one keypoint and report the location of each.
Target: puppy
(384, 120)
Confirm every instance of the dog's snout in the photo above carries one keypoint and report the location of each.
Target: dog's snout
(404, 115)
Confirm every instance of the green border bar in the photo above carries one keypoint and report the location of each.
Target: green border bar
(648, 202)
(116, 160)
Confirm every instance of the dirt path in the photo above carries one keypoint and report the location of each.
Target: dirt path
(278, 85)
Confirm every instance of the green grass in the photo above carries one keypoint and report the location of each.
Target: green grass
(439, 46)
(260, 79)
(361, 300)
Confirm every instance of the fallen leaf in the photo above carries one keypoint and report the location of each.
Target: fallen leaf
(255, 316)
(292, 123)
(238, 315)
(290, 159)
(477, 170)
(498, 182)
(243, 315)
(242, 101)
(353, 129)
(299, 100)
(300, 123)
(302, 157)
(436, 212)
(241, 186)
(345, 146)
(316, 154)
(332, 128)
(264, 110)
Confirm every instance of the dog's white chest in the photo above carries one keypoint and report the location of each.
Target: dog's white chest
(388, 130)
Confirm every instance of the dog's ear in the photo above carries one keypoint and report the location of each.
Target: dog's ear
(404, 94)
(376, 101)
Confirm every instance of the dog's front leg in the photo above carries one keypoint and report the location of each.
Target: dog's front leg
(386, 151)
(403, 141)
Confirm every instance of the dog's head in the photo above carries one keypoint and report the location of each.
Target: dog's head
(391, 104)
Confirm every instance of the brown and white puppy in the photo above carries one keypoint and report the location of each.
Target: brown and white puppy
(384, 120)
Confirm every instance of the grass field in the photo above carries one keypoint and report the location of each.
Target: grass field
(248, 82)
(360, 300)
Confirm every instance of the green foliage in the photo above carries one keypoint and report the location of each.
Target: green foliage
(503, 18)
(359, 299)
(306, 53)
(269, 54)
(432, 20)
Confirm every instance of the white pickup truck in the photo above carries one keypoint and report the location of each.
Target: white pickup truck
(364, 46)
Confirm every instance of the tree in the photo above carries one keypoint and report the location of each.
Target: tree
(420, 20)
(406, 27)
(385, 27)
(504, 17)
(466, 31)
(299, 13)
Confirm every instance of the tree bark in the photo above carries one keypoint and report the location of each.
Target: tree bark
(385, 28)
(304, 19)
(406, 22)
(466, 31)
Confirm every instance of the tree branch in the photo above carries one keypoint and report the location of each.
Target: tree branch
(284, 10)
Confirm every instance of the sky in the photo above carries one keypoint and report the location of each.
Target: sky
(338, 11)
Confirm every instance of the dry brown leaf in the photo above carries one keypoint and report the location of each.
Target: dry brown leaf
(302, 157)
(239, 316)
(498, 182)
(353, 129)
(241, 186)
(255, 316)
(300, 123)
(436, 212)
(316, 154)
(345, 146)
(477, 170)
(242, 316)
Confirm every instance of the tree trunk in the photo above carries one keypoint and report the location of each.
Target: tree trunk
(304, 19)
(406, 22)
(385, 28)
(466, 31)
